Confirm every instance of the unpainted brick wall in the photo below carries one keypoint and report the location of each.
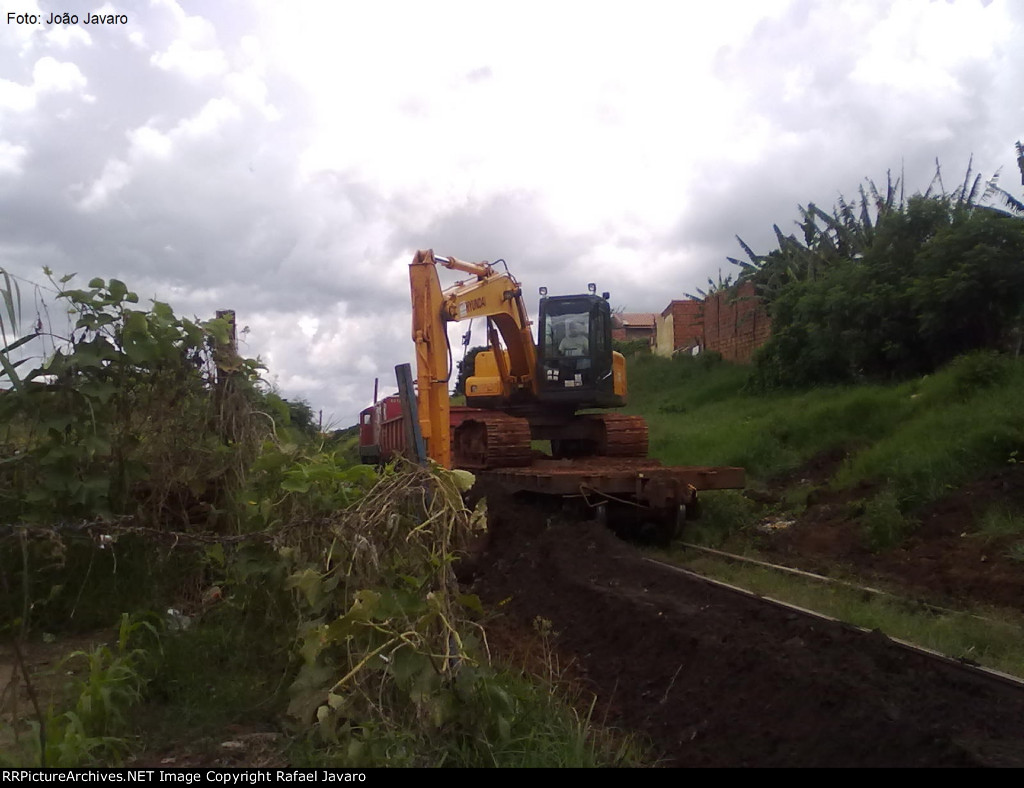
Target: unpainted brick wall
(687, 323)
(735, 323)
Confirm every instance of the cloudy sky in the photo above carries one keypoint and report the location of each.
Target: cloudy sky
(286, 159)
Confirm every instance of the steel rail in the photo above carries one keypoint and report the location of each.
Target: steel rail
(960, 664)
(833, 581)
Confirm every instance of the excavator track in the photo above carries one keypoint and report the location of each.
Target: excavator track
(491, 440)
(623, 436)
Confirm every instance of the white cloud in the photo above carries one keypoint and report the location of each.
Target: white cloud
(211, 118)
(147, 141)
(11, 158)
(193, 63)
(308, 325)
(49, 75)
(249, 88)
(115, 176)
(195, 52)
(15, 97)
(65, 36)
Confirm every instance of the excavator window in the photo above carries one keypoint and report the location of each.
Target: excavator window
(567, 335)
(576, 355)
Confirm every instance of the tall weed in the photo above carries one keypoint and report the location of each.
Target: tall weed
(885, 525)
(88, 724)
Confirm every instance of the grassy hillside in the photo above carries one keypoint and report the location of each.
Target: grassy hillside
(913, 487)
(921, 436)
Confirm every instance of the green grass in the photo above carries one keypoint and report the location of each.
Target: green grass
(722, 514)
(541, 728)
(243, 677)
(1001, 520)
(238, 679)
(700, 415)
(923, 437)
(943, 442)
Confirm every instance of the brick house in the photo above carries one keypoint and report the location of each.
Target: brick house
(733, 322)
(630, 326)
(679, 328)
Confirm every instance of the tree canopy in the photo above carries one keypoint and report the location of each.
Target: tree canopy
(888, 286)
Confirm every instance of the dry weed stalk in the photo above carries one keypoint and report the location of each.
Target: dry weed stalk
(389, 620)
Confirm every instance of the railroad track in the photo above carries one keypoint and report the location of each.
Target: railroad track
(1004, 679)
(717, 676)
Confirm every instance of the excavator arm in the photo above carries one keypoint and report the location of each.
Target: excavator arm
(487, 293)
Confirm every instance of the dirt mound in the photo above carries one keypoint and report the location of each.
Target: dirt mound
(944, 558)
(716, 679)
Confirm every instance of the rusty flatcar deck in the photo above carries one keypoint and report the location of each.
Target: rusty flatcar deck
(644, 480)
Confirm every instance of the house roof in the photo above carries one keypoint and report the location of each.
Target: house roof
(636, 319)
(685, 302)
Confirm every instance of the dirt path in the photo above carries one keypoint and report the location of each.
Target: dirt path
(717, 680)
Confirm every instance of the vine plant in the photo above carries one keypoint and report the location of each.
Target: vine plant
(123, 400)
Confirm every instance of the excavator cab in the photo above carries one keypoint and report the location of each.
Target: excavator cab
(576, 365)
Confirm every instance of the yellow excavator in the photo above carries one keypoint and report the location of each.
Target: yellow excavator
(521, 390)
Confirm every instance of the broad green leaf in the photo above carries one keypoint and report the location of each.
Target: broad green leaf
(295, 484)
(365, 605)
(193, 332)
(478, 519)
(310, 583)
(406, 664)
(140, 353)
(464, 480)
(162, 310)
(100, 390)
(215, 553)
(309, 690)
(471, 602)
(219, 329)
(136, 323)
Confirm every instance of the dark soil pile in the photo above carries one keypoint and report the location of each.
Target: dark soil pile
(715, 679)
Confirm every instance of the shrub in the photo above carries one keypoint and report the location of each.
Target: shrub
(979, 370)
(885, 525)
